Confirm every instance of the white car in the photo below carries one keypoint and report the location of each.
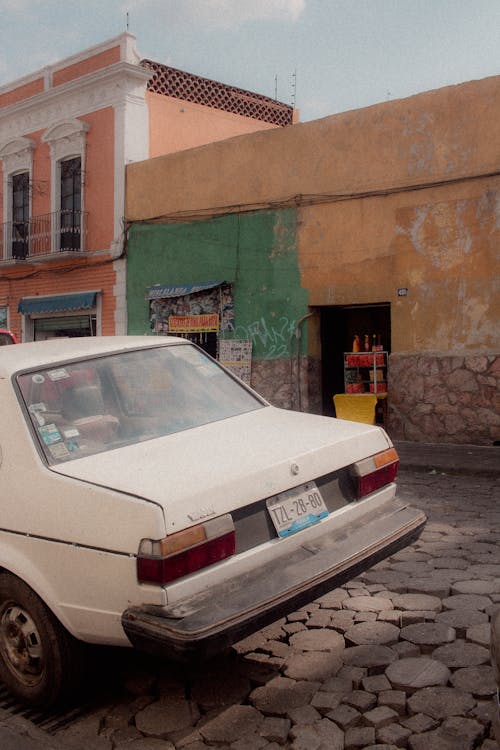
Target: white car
(148, 497)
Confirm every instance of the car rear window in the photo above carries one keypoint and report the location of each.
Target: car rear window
(87, 407)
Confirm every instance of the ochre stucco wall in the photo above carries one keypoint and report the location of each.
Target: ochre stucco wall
(401, 194)
(404, 195)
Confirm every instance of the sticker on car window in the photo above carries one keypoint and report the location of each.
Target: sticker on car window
(37, 407)
(38, 378)
(60, 374)
(71, 433)
(50, 434)
(59, 450)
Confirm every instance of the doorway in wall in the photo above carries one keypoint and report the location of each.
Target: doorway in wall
(339, 325)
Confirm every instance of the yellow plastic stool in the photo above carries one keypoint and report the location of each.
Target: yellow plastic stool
(356, 408)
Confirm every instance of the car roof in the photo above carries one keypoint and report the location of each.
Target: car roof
(47, 353)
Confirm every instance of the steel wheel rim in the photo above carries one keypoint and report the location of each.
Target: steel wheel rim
(21, 644)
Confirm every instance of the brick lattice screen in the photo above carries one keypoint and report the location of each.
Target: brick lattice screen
(181, 85)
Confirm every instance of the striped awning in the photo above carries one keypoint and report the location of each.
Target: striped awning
(57, 303)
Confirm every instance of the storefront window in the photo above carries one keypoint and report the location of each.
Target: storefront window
(199, 315)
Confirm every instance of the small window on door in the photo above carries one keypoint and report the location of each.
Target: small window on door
(71, 204)
(20, 215)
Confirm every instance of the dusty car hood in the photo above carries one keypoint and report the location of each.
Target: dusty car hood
(218, 467)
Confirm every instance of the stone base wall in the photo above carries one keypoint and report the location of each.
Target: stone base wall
(276, 380)
(444, 398)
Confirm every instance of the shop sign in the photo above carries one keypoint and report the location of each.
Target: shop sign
(193, 323)
(236, 355)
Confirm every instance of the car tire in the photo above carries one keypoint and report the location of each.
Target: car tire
(40, 662)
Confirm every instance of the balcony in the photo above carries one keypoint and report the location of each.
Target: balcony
(42, 236)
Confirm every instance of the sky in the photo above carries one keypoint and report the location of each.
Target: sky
(324, 56)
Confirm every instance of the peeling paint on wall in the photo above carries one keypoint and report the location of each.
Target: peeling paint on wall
(443, 232)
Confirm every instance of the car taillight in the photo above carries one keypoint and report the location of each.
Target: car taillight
(376, 471)
(164, 560)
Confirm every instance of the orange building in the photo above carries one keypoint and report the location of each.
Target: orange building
(66, 134)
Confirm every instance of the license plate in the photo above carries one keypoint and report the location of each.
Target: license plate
(296, 509)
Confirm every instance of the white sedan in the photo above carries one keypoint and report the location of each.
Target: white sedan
(150, 498)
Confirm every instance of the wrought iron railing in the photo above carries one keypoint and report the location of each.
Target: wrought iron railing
(60, 231)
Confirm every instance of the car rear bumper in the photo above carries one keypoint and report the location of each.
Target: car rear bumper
(207, 623)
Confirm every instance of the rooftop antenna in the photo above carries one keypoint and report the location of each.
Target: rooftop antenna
(294, 87)
(276, 87)
(127, 21)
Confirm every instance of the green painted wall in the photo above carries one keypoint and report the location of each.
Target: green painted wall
(256, 253)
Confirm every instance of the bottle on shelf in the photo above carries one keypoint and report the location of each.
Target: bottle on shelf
(367, 343)
(374, 343)
(356, 345)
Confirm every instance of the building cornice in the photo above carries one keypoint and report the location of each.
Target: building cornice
(112, 86)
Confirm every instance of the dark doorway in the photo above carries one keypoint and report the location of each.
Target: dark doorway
(339, 325)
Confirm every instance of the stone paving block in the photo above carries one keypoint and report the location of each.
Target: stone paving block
(215, 688)
(276, 648)
(418, 603)
(365, 616)
(390, 615)
(376, 683)
(440, 702)
(410, 617)
(361, 700)
(367, 603)
(299, 616)
(432, 586)
(479, 680)
(294, 627)
(345, 716)
(366, 633)
(353, 673)
(483, 711)
(380, 716)
(462, 619)
(359, 737)
(332, 600)
(275, 729)
(420, 723)
(337, 684)
(321, 639)
(428, 634)
(319, 619)
(461, 654)
(305, 738)
(249, 742)
(303, 715)
(167, 715)
(405, 649)
(373, 658)
(232, 724)
(331, 735)
(415, 673)
(281, 694)
(342, 620)
(393, 734)
(482, 588)
(456, 733)
(467, 601)
(325, 702)
(312, 665)
(395, 699)
(479, 634)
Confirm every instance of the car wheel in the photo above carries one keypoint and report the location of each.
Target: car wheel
(40, 662)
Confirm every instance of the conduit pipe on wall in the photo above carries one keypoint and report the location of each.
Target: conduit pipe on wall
(298, 336)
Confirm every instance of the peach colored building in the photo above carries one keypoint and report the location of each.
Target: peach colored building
(66, 134)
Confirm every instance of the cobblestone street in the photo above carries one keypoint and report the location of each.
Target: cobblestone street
(397, 658)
